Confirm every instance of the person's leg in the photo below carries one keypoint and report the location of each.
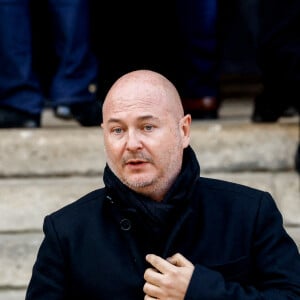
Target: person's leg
(198, 22)
(20, 96)
(75, 80)
(279, 59)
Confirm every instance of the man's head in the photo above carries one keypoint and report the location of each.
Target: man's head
(145, 132)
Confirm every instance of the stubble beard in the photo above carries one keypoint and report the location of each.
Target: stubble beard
(155, 187)
(138, 184)
(152, 188)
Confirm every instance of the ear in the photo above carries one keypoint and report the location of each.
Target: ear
(185, 129)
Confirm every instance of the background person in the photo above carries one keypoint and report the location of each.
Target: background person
(199, 67)
(74, 80)
(278, 56)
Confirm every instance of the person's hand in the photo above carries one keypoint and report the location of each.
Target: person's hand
(168, 279)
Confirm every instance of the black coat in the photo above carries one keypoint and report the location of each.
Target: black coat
(94, 248)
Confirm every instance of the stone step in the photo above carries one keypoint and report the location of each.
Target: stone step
(219, 146)
(24, 202)
(232, 143)
(12, 294)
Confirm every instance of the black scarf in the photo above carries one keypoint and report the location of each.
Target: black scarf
(156, 218)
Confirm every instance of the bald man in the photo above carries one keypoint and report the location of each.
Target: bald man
(158, 230)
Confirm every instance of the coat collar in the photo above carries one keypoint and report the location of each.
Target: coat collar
(175, 199)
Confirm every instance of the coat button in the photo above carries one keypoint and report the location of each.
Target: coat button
(125, 224)
(110, 199)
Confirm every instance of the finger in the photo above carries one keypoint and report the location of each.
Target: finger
(151, 290)
(179, 260)
(158, 263)
(147, 297)
(152, 276)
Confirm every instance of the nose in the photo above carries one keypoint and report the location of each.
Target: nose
(133, 142)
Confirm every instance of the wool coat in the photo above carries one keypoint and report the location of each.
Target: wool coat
(95, 247)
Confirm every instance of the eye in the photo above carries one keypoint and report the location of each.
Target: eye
(117, 130)
(148, 127)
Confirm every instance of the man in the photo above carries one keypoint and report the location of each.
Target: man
(158, 230)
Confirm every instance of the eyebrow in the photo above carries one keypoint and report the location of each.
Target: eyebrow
(141, 118)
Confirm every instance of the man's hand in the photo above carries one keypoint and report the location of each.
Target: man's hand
(168, 279)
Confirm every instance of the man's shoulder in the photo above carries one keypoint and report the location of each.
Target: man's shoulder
(215, 183)
(228, 189)
(234, 198)
(88, 203)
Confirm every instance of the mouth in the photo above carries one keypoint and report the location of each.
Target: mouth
(135, 162)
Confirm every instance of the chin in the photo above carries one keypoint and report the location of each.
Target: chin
(139, 183)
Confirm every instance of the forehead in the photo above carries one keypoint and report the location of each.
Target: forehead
(145, 99)
(140, 110)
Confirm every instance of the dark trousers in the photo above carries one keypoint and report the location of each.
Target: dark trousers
(200, 61)
(75, 70)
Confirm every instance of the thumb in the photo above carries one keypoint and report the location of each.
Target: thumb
(179, 260)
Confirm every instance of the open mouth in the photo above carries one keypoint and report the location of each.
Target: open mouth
(135, 162)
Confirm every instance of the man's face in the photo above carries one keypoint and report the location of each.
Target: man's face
(144, 140)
